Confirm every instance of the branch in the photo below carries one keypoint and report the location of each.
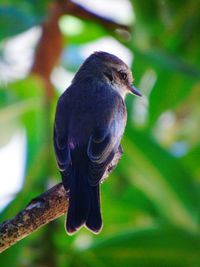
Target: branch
(49, 49)
(83, 13)
(40, 211)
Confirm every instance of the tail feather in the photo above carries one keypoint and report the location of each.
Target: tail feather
(94, 220)
(84, 204)
(79, 201)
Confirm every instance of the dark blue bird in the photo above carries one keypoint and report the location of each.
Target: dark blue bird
(89, 123)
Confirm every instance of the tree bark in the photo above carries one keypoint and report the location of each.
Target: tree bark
(40, 211)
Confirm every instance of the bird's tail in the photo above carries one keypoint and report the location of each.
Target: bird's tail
(84, 203)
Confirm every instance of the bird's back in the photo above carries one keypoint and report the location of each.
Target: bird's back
(89, 124)
(95, 105)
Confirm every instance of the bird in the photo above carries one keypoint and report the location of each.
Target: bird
(89, 123)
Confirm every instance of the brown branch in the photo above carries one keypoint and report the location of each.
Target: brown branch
(49, 49)
(40, 211)
(81, 12)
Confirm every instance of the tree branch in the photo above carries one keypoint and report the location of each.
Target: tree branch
(40, 211)
(49, 49)
(74, 9)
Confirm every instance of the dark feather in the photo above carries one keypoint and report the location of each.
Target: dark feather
(94, 220)
(86, 138)
(62, 152)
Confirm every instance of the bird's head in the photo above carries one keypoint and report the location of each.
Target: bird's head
(117, 73)
(111, 69)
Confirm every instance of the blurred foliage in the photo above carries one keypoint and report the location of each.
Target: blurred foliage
(151, 202)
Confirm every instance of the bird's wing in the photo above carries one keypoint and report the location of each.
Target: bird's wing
(61, 145)
(101, 149)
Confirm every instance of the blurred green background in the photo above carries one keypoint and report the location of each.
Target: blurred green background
(150, 203)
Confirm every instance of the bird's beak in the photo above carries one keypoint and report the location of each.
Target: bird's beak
(134, 90)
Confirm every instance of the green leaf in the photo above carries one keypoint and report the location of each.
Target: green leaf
(26, 108)
(160, 176)
(76, 30)
(14, 21)
(18, 17)
(123, 205)
(191, 161)
(14, 105)
(171, 87)
(145, 248)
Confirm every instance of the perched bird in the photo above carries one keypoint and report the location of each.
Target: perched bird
(89, 123)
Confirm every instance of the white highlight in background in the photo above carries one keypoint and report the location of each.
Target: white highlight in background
(117, 10)
(12, 165)
(110, 45)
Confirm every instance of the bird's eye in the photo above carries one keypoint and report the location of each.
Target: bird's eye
(122, 75)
